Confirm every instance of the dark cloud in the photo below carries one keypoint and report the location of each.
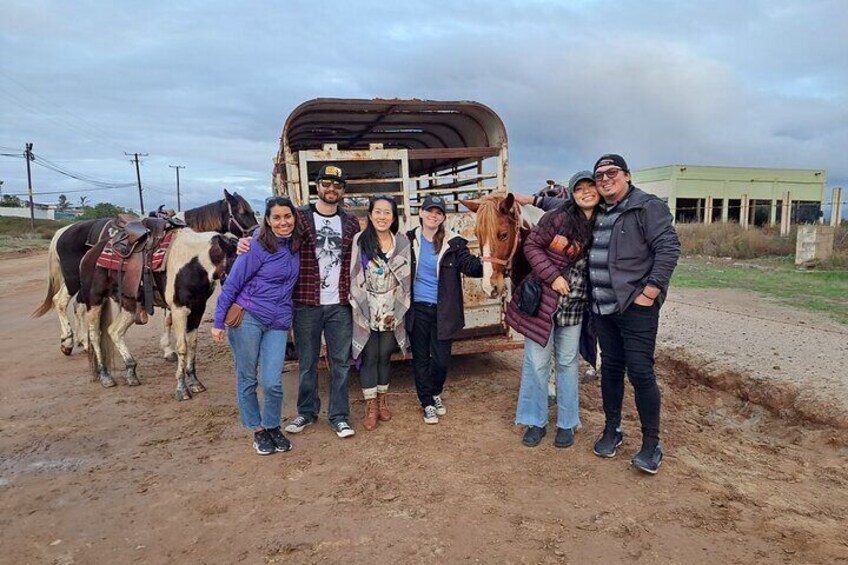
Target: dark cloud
(209, 84)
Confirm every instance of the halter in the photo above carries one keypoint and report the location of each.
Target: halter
(234, 220)
(507, 263)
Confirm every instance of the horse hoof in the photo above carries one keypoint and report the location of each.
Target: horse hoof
(107, 382)
(133, 381)
(172, 357)
(182, 394)
(197, 388)
(67, 349)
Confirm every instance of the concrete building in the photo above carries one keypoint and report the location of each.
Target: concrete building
(747, 195)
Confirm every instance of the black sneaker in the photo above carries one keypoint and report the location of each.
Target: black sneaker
(296, 426)
(564, 437)
(649, 459)
(608, 442)
(281, 442)
(533, 436)
(343, 429)
(262, 443)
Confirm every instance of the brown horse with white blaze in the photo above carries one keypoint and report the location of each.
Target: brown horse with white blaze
(194, 262)
(502, 224)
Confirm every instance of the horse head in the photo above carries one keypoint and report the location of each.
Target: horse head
(222, 253)
(498, 234)
(240, 219)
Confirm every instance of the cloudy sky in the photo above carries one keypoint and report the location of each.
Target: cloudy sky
(208, 84)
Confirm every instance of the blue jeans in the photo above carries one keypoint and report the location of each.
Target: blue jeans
(336, 323)
(253, 343)
(532, 410)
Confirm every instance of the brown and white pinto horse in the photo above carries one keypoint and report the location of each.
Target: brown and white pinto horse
(194, 262)
(502, 224)
(231, 214)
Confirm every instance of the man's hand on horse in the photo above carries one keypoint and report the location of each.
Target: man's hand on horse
(218, 335)
(560, 285)
(243, 246)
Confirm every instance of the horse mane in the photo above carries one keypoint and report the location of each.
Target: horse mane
(488, 219)
(206, 217)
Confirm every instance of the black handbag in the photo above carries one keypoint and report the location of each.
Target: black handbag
(531, 297)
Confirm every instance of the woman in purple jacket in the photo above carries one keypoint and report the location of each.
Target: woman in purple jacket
(557, 252)
(261, 282)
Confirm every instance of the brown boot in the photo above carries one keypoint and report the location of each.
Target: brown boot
(371, 414)
(383, 407)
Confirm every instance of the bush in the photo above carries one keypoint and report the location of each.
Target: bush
(730, 240)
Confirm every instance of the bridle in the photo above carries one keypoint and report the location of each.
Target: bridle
(507, 263)
(234, 221)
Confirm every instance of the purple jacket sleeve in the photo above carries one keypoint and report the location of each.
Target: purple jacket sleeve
(535, 249)
(243, 270)
(548, 203)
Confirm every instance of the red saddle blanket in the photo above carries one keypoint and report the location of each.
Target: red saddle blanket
(108, 259)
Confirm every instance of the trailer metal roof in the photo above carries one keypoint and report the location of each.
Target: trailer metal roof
(437, 134)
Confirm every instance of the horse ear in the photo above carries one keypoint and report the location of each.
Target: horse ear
(471, 204)
(507, 204)
(227, 195)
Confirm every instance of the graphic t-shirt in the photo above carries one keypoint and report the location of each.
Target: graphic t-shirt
(328, 251)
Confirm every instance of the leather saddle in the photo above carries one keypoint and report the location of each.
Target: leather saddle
(134, 241)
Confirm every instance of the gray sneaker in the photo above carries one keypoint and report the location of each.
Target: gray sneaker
(439, 406)
(296, 426)
(430, 415)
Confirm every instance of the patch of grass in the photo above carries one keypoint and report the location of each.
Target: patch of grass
(17, 234)
(819, 291)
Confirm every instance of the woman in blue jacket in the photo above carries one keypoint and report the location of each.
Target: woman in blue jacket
(261, 282)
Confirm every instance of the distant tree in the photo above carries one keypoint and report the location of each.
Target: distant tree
(9, 201)
(83, 201)
(103, 210)
(63, 203)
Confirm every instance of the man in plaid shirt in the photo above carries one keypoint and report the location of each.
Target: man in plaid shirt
(321, 302)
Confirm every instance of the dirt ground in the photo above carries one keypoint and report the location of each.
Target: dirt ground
(128, 475)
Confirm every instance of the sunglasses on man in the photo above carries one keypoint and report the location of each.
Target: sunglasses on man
(327, 183)
(609, 173)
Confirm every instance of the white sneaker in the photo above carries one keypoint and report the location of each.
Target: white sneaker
(343, 429)
(296, 426)
(430, 416)
(439, 406)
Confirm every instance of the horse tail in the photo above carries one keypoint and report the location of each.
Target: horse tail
(107, 346)
(54, 278)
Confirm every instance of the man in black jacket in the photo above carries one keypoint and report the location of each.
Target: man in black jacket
(634, 252)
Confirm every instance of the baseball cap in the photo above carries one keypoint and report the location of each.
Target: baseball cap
(577, 177)
(611, 159)
(331, 172)
(433, 201)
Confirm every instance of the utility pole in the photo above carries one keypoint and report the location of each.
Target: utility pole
(28, 156)
(178, 167)
(138, 177)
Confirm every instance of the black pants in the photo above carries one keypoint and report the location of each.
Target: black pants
(430, 355)
(628, 341)
(376, 359)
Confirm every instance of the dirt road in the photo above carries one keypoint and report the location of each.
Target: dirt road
(128, 475)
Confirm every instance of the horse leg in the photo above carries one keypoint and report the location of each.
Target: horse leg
(117, 331)
(179, 319)
(165, 341)
(194, 384)
(60, 303)
(82, 330)
(100, 372)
